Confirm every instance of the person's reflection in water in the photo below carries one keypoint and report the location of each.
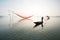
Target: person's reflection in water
(39, 23)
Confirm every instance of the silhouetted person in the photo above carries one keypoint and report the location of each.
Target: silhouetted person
(39, 23)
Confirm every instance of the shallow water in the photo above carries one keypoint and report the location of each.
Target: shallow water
(23, 30)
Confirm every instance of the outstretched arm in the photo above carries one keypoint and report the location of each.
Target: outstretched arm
(22, 16)
(18, 15)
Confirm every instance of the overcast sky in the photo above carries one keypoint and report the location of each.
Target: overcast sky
(31, 7)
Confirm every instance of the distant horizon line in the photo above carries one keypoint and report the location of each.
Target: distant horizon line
(41, 15)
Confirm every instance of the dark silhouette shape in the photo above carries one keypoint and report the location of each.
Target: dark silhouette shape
(39, 23)
(1, 16)
(48, 17)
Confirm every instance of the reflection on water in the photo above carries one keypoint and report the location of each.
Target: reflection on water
(23, 30)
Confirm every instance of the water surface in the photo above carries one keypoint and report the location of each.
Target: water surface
(23, 30)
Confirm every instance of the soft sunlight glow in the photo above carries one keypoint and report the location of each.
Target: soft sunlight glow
(31, 7)
(33, 10)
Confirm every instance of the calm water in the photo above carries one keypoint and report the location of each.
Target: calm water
(23, 30)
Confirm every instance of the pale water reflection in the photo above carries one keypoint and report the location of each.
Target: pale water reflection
(23, 30)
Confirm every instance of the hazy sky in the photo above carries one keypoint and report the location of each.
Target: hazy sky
(31, 7)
